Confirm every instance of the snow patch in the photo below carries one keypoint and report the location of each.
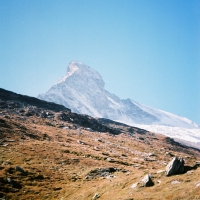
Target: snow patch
(192, 135)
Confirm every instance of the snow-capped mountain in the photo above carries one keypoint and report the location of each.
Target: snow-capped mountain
(82, 90)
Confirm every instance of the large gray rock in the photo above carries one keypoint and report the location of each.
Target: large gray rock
(175, 166)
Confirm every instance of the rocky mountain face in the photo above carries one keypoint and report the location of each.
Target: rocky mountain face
(82, 90)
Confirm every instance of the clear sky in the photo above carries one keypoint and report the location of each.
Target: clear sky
(146, 50)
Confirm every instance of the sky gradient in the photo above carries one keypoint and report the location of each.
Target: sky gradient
(145, 50)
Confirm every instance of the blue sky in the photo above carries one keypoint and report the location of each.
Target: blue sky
(146, 50)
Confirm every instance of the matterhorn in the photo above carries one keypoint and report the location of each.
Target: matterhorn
(82, 90)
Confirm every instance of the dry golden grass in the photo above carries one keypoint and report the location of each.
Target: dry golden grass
(56, 162)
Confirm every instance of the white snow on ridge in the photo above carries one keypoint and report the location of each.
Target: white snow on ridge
(192, 135)
(167, 118)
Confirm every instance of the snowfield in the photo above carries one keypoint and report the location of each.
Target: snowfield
(178, 133)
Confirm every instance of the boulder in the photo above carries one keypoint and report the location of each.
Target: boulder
(175, 166)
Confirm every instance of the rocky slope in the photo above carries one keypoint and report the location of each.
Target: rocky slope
(49, 152)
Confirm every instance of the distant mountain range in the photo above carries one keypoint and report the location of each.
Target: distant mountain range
(82, 90)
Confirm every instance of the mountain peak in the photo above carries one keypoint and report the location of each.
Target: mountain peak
(76, 68)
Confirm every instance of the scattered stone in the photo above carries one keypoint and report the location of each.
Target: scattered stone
(160, 171)
(159, 182)
(13, 183)
(98, 140)
(109, 159)
(170, 154)
(110, 176)
(149, 159)
(103, 172)
(40, 177)
(6, 163)
(10, 140)
(96, 196)
(105, 154)
(81, 142)
(75, 159)
(134, 185)
(175, 182)
(197, 184)
(164, 163)
(65, 127)
(147, 181)
(10, 181)
(96, 148)
(190, 172)
(152, 154)
(19, 169)
(57, 188)
(175, 166)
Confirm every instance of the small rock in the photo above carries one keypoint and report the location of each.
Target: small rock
(6, 163)
(109, 159)
(197, 184)
(175, 182)
(57, 188)
(159, 182)
(97, 148)
(134, 185)
(110, 176)
(19, 169)
(81, 142)
(96, 196)
(10, 140)
(160, 171)
(13, 183)
(147, 181)
(98, 140)
(170, 154)
(10, 181)
(190, 172)
(152, 154)
(40, 176)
